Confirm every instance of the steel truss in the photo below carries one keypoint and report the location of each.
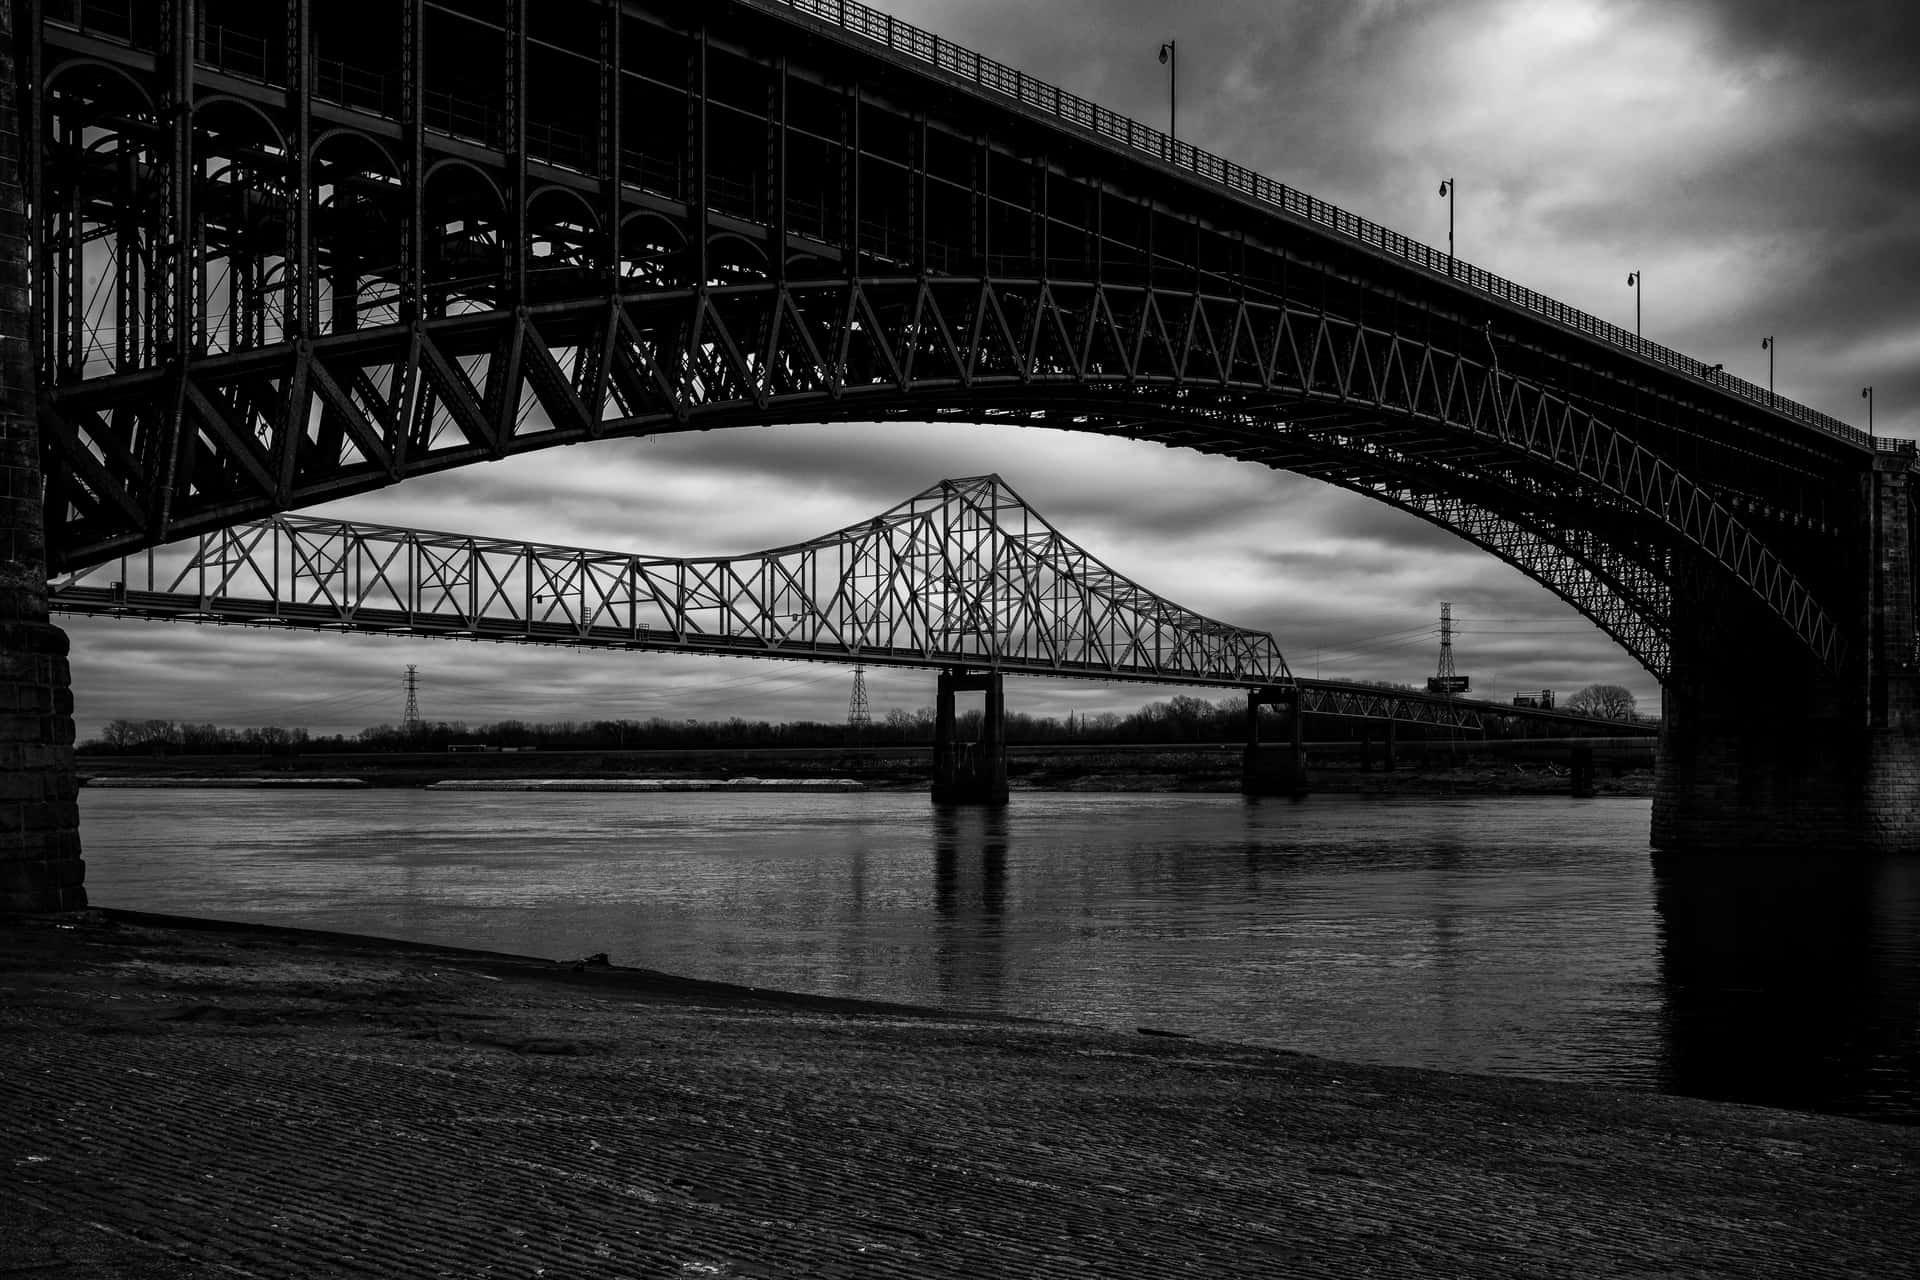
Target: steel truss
(381, 406)
(268, 281)
(963, 574)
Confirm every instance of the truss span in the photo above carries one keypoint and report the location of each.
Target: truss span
(962, 574)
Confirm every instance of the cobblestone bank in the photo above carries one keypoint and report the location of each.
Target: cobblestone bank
(195, 1101)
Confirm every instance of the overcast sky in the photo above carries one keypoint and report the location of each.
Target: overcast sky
(1757, 160)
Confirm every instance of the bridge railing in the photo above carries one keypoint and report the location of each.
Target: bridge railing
(903, 37)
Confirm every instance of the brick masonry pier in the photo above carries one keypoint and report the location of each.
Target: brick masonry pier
(40, 865)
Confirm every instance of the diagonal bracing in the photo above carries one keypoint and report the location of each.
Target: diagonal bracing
(964, 573)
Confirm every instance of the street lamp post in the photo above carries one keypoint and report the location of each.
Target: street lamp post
(1633, 282)
(1866, 393)
(1170, 56)
(1767, 345)
(1446, 190)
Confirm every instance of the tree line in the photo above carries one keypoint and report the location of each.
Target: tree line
(1180, 719)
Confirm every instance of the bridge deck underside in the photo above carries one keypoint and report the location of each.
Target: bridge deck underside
(502, 226)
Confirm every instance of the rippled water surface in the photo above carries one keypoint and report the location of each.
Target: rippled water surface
(1529, 935)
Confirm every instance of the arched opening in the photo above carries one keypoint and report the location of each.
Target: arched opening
(358, 234)
(466, 238)
(101, 305)
(242, 197)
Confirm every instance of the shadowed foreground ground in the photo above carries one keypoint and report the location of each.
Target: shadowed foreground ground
(179, 1099)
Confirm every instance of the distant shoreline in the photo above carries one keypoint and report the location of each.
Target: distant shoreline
(1518, 768)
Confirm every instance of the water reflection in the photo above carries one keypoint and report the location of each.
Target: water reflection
(1526, 935)
(969, 902)
(1792, 980)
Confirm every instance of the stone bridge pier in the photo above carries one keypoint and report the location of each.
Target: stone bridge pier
(969, 772)
(1278, 768)
(1762, 748)
(40, 865)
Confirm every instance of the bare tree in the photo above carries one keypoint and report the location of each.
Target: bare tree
(1608, 701)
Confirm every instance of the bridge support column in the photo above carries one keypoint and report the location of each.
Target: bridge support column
(40, 865)
(969, 772)
(1764, 749)
(1580, 770)
(1279, 769)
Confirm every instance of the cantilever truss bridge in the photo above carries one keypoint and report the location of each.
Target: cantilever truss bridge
(963, 574)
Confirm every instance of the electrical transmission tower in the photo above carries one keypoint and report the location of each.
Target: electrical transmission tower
(859, 718)
(1445, 673)
(1444, 680)
(410, 719)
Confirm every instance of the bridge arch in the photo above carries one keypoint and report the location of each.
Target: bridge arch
(734, 259)
(1284, 387)
(329, 141)
(564, 232)
(218, 105)
(649, 244)
(69, 68)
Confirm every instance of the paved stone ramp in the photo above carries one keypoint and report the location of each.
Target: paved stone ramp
(190, 1102)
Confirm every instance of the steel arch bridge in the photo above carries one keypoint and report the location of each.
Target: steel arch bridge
(287, 253)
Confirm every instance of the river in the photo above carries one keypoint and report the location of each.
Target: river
(1528, 935)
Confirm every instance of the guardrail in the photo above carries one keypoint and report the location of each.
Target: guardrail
(905, 38)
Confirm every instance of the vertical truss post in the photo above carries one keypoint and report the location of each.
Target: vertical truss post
(983, 207)
(31, 127)
(612, 145)
(852, 178)
(699, 232)
(917, 207)
(413, 74)
(777, 174)
(516, 102)
(299, 267)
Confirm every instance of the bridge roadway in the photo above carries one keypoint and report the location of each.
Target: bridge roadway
(255, 257)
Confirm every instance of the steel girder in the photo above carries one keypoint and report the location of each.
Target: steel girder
(963, 574)
(281, 427)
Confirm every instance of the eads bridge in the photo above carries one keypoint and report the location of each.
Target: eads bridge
(964, 577)
(255, 256)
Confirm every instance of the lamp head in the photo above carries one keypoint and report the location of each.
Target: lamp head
(1866, 393)
(1164, 50)
(1766, 344)
(1446, 185)
(1633, 277)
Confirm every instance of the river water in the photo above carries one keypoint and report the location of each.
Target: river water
(1528, 935)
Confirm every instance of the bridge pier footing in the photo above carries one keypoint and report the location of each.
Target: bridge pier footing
(40, 864)
(1764, 749)
(969, 772)
(1280, 768)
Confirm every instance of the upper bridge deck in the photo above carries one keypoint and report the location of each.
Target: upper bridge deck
(242, 50)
